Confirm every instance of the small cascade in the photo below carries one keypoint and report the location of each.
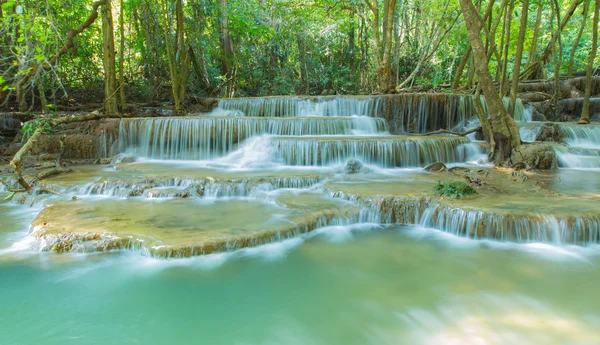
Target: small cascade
(575, 157)
(404, 113)
(209, 137)
(382, 151)
(478, 224)
(582, 136)
(583, 151)
(183, 187)
(9, 123)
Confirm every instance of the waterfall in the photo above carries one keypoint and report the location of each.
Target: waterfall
(478, 224)
(583, 151)
(582, 136)
(9, 123)
(384, 152)
(404, 113)
(209, 137)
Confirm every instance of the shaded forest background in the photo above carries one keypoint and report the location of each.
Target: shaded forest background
(226, 48)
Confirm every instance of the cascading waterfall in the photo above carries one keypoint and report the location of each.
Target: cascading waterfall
(583, 149)
(210, 137)
(477, 224)
(384, 152)
(582, 136)
(405, 113)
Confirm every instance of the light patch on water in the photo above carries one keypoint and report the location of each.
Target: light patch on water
(546, 251)
(492, 319)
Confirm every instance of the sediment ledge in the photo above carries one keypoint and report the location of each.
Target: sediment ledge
(68, 227)
(477, 223)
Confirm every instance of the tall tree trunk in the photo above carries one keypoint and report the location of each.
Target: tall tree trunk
(177, 54)
(536, 68)
(505, 133)
(586, 5)
(384, 71)
(557, 55)
(531, 57)
(108, 45)
(461, 67)
(227, 57)
(518, 56)
(585, 112)
(508, 22)
(122, 57)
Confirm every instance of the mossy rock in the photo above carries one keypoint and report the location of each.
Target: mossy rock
(454, 189)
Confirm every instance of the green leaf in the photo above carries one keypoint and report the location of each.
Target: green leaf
(9, 196)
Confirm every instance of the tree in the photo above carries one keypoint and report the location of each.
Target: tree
(108, 49)
(518, 56)
(585, 112)
(177, 54)
(504, 131)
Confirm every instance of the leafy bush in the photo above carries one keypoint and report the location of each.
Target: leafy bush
(453, 189)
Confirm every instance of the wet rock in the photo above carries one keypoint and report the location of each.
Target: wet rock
(12, 149)
(536, 156)
(128, 160)
(519, 166)
(354, 166)
(123, 159)
(550, 132)
(459, 170)
(537, 116)
(436, 167)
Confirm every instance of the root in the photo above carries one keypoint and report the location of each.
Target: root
(445, 131)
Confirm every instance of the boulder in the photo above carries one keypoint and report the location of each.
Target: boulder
(353, 166)
(550, 132)
(536, 156)
(436, 167)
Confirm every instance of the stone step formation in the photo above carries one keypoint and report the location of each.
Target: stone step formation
(260, 170)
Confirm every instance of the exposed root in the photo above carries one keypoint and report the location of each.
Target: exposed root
(462, 134)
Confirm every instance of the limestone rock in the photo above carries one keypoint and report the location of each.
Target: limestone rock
(550, 132)
(536, 156)
(353, 166)
(436, 167)
(128, 160)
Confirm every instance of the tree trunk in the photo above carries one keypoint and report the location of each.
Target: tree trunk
(122, 58)
(531, 57)
(177, 54)
(557, 54)
(384, 70)
(461, 68)
(518, 56)
(108, 45)
(507, 23)
(586, 5)
(227, 57)
(585, 112)
(534, 70)
(505, 133)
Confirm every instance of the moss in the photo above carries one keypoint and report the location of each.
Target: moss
(453, 189)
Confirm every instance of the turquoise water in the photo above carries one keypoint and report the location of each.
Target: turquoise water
(360, 284)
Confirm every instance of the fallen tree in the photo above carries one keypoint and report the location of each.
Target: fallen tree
(43, 127)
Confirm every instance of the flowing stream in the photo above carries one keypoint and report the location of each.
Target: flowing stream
(244, 227)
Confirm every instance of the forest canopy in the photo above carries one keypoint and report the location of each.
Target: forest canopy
(225, 48)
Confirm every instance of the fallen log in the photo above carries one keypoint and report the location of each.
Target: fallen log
(17, 162)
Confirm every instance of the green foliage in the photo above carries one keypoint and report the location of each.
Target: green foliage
(31, 126)
(280, 46)
(453, 189)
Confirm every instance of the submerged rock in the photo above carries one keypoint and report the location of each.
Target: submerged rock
(127, 160)
(354, 166)
(436, 167)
